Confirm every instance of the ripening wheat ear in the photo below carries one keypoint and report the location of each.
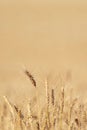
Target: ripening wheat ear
(30, 76)
(18, 111)
(52, 97)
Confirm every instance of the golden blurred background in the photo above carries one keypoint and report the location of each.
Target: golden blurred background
(45, 36)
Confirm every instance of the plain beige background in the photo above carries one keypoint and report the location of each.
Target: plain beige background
(45, 36)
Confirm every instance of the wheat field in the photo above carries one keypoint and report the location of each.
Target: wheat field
(43, 64)
(61, 109)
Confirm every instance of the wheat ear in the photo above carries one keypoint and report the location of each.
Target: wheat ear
(30, 76)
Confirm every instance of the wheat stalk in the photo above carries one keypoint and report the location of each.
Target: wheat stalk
(30, 117)
(11, 110)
